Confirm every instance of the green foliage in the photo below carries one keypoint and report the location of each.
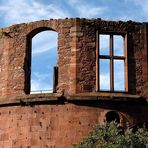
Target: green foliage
(112, 135)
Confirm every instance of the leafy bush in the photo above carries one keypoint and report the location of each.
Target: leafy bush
(112, 135)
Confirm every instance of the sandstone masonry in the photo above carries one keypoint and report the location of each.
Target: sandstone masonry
(64, 117)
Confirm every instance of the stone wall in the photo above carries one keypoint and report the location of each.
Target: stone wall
(76, 54)
(137, 53)
(59, 125)
(57, 120)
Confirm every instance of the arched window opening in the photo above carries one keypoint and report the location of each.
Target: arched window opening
(112, 116)
(43, 60)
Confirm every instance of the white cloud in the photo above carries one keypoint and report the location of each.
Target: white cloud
(118, 45)
(72, 2)
(39, 82)
(40, 76)
(87, 10)
(44, 41)
(143, 4)
(140, 10)
(40, 87)
(18, 11)
(119, 74)
(104, 44)
(118, 77)
(104, 81)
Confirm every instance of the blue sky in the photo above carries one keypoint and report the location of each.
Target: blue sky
(20, 11)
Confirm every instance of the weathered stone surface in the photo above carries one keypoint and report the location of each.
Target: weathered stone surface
(60, 119)
(76, 54)
(59, 125)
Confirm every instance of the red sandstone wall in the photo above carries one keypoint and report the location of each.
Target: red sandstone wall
(16, 52)
(76, 54)
(45, 126)
(56, 125)
(4, 48)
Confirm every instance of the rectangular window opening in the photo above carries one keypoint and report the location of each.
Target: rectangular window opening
(111, 62)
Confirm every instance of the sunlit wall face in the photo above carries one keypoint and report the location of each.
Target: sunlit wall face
(44, 58)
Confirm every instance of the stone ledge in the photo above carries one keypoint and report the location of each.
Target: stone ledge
(26, 99)
(105, 96)
(57, 97)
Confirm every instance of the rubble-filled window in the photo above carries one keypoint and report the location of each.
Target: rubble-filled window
(112, 62)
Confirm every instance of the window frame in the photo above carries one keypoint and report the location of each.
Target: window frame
(111, 57)
(28, 63)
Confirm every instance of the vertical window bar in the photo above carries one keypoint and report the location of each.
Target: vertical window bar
(97, 63)
(125, 64)
(111, 64)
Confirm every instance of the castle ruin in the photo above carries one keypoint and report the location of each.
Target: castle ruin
(64, 117)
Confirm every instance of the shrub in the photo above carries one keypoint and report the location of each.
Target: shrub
(112, 135)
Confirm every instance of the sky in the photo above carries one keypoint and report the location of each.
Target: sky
(45, 43)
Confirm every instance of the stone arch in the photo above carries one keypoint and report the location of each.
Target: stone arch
(35, 31)
(126, 120)
(27, 63)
